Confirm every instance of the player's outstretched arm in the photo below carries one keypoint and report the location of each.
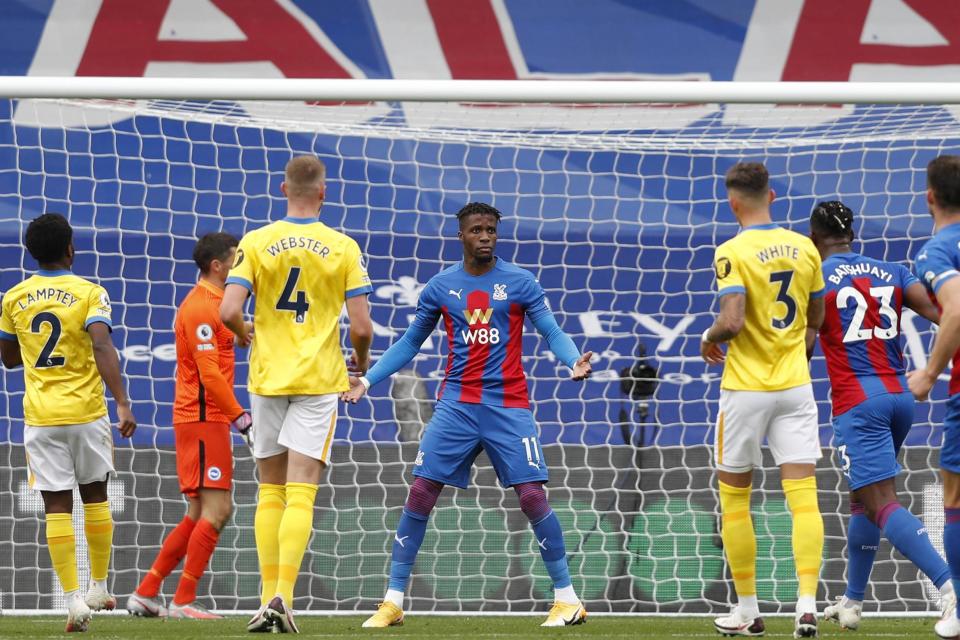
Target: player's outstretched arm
(560, 343)
(916, 298)
(231, 312)
(946, 343)
(729, 323)
(10, 353)
(400, 352)
(361, 331)
(108, 364)
(816, 310)
(395, 358)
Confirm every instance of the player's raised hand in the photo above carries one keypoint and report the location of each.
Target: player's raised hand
(355, 367)
(126, 423)
(711, 352)
(582, 368)
(357, 391)
(920, 382)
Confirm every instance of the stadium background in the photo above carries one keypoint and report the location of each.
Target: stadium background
(625, 262)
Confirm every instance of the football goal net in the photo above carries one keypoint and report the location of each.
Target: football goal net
(612, 195)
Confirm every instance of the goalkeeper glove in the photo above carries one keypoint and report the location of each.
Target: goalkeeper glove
(242, 424)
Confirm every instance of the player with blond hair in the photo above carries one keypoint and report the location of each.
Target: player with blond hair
(301, 273)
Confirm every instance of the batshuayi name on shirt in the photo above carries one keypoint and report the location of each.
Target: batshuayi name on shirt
(858, 269)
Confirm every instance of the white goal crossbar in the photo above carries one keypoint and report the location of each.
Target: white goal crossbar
(571, 91)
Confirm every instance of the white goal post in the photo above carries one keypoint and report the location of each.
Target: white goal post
(612, 194)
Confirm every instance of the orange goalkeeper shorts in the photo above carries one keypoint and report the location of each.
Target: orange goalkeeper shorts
(204, 456)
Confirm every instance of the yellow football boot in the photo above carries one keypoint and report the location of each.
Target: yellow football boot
(563, 614)
(387, 615)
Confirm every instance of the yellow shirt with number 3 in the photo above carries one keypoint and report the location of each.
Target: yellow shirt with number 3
(779, 271)
(300, 271)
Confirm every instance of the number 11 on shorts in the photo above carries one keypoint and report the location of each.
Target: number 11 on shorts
(533, 451)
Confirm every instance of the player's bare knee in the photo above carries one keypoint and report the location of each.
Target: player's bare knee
(93, 492)
(216, 507)
(951, 489)
(194, 508)
(797, 470)
(57, 501)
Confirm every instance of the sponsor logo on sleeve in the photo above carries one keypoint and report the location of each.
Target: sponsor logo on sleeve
(205, 332)
(723, 268)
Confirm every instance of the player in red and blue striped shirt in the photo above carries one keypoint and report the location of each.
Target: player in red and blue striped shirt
(937, 265)
(483, 405)
(872, 407)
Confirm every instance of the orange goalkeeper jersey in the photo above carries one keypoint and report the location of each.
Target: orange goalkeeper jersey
(205, 360)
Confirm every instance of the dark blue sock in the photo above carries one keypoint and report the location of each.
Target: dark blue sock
(908, 535)
(406, 544)
(550, 540)
(951, 544)
(863, 538)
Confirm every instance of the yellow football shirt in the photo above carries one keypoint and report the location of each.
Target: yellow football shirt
(48, 314)
(300, 272)
(779, 271)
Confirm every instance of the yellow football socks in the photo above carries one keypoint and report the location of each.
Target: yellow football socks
(295, 529)
(98, 527)
(739, 541)
(63, 550)
(807, 532)
(266, 526)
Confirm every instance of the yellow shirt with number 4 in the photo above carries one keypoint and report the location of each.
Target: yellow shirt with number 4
(300, 271)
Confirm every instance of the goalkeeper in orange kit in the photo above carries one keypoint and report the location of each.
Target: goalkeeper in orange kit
(205, 408)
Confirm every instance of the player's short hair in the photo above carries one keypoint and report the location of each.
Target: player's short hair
(48, 237)
(481, 208)
(832, 219)
(213, 246)
(303, 175)
(749, 178)
(943, 178)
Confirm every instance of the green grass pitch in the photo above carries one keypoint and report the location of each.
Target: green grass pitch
(446, 628)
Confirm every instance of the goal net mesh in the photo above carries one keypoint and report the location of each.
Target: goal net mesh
(615, 208)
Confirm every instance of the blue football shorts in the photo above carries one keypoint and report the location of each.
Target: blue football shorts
(867, 438)
(459, 431)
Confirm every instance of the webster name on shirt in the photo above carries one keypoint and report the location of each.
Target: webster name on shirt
(298, 242)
